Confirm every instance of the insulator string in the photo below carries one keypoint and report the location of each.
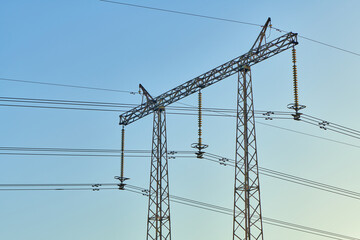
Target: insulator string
(200, 117)
(199, 145)
(122, 153)
(295, 106)
(295, 81)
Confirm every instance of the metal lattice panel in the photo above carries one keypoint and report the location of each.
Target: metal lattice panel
(215, 75)
(158, 226)
(247, 224)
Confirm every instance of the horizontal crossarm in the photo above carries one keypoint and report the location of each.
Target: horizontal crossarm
(215, 75)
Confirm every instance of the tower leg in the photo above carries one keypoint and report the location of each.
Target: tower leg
(158, 225)
(247, 222)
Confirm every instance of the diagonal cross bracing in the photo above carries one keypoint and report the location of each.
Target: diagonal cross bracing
(215, 75)
(247, 221)
(158, 225)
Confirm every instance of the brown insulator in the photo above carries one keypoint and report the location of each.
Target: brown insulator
(296, 99)
(122, 154)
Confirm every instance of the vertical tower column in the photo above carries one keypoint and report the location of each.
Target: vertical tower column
(158, 225)
(247, 223)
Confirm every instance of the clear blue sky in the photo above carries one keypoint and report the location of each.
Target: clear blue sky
(98, 44)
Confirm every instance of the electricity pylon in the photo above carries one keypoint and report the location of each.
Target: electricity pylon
(247, 209)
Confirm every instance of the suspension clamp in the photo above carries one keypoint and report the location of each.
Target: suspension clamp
(122, 180)
(199, 147)
(297, 108)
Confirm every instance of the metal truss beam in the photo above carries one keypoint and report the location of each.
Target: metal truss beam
(247, 222)
(255, 55)
(158, 225)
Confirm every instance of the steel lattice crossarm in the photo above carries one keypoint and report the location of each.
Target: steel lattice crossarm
(215, 75)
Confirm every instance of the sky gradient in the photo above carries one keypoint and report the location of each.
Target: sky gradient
(104, 45)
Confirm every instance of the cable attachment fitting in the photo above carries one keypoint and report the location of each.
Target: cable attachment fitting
(295, 106)
(122, 180)
(199, 145)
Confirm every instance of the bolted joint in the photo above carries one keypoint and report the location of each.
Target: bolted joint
(159, 108)
(244, 68)
(122, 120)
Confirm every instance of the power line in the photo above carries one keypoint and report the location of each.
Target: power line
(176, 199)
(228, 211)
(331, 129)
(67, 85)
(75, 150)
(326, 125)
(60, 185)
(119, 111)
(55, 189)
(65, 102)
(84, 155)
(61, 108)
(308, 134)
(289, 178)
(86, 150)
(70, 155)
(172, 155)
(215, 112)
(341, 192)
(332, 123)
(182, 13)
(227, 20)
(331, 46)
(126, 105)
(300, 230)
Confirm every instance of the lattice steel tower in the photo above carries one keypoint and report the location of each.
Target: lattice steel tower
(158, 224)
(247, 221)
